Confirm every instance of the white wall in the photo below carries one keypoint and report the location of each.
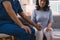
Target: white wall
(54, 5)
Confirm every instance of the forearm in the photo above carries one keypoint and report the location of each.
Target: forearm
(50, 25)
(28, 20)
(14, 17)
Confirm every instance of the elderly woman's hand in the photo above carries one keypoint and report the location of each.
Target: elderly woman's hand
(26, 28)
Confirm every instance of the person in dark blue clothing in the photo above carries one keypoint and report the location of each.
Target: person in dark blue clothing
(10, 23)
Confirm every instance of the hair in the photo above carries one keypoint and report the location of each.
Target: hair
(46, 8)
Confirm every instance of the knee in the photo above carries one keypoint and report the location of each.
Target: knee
(20, 33)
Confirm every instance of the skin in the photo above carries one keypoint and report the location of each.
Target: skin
(42, 4)
(11, 13)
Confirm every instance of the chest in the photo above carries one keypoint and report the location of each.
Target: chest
(41, 16)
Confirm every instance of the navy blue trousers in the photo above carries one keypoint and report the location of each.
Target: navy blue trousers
(15, 30)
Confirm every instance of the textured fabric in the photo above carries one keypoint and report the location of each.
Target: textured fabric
(15, 30)
(43, 34)
(7, 25)
(4, 17)
(42, 17)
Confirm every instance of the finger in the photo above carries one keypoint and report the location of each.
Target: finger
(26, 30)
(29, 30)
(39, 29)
(47, 30)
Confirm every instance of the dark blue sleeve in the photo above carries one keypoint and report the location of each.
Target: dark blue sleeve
(19, 7)
(1, 1)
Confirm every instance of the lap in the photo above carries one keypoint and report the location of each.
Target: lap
(13, 29)
(43, 31)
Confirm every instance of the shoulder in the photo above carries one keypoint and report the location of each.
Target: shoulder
(50, 10)
(35, 10)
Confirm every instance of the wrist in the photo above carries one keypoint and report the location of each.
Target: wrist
(48, 27)
(21, 25)
(36, 26)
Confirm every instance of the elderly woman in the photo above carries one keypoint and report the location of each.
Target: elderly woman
(10, 24)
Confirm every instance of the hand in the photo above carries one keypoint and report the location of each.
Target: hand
(27, 29)
(39, 27)
(48, 29)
